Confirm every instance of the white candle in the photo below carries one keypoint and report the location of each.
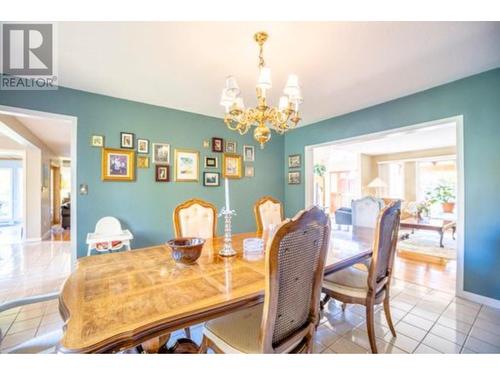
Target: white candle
(227, 194)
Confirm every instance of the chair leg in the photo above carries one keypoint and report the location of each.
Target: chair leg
(388, 317)
(203, 346)
(371, 327)
(324, 301)
(344, 305)
(187, 331)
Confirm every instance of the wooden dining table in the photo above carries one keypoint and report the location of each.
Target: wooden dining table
(116, 301)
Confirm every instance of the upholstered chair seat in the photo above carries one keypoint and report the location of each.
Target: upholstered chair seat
(268, 211)
(351, 281)
(195, 218)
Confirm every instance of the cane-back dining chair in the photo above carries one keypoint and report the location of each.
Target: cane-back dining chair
(268, 211)
(195, 218)
(286, 321)
(370, 286)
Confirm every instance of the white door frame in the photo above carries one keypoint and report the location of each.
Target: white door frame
(71, 121)
(459, 125)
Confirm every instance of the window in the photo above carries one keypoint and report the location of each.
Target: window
(6, 195)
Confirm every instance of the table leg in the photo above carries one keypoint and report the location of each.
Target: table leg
(153, 345)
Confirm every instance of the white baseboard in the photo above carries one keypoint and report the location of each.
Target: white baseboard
(35, 239)
(491, 302)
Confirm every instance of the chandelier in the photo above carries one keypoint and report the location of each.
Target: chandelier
(281, 118)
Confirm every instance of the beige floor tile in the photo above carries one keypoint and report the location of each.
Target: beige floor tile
(380, 330)
(51, 318)
(344, 346)
(338, 325)
(31, 314)
(460, 315)
(6, 322)
(23, 325)
(426, 314)
(440, 344)
(479, 346)
(325, 335)
(401, 305)
(486, 336)
(10, 312)
(467, 351)
(402, 342)
(488, 326)
(449, 334)
(466, 302)
(457, 307)
(17, 338)
(34, 306)
(328, 351)
(318, 347)
(48, 328)
(424, 349)
(360, 337)
(454, 324)
(349, 317)
(490, 314)
(418, 321)
(410, 331)
(432, 306)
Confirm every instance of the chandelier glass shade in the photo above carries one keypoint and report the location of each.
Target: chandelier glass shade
(281, 118)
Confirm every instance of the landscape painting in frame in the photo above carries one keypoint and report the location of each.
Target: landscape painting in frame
(294, 161)
(248, 153)
(231, 166)
(187, 165)
(161, 153)
(211, 179)
(293, 178)
(117, 165)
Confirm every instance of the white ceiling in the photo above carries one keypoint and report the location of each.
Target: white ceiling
(56, 135)
(342, 66)
(431, 137)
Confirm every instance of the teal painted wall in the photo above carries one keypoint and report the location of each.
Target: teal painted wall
(477, 98)
(145, 206)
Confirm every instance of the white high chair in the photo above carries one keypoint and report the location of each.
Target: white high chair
(108, 236)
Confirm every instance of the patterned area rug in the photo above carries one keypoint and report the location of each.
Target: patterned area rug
(427, 243)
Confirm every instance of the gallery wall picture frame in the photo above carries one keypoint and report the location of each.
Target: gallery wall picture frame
(231, 147)
(97, 140)
(294, 161)
(142, 146)
(117, 165)
(127, 140)
(248, 153)
(206, 143)
(217, 144)
(211, 179)
(162, 173)
(249, 171)
(231, 166)
(187, 165)
(294, 178)
(161, 153)
(211, 162)
(142, 161)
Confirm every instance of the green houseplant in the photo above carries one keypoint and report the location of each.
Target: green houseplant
(444, 194)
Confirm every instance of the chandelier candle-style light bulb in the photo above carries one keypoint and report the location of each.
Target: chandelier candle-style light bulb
(281, 118)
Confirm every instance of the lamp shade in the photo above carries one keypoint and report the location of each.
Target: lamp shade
(283, 103)
(226, 99)
(264, 78)
(377, 182)
(292, 85)
(232, 86)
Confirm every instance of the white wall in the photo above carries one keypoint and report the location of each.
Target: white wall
(38, 155)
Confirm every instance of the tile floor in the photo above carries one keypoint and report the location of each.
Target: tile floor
(426, 320)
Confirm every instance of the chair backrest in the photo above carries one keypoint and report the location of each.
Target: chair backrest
(108, 225)
(268, 211)
(384, 246)
(365, 211)
(195, 218)
(295, 260)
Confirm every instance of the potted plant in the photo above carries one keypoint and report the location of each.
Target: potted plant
(444, 194)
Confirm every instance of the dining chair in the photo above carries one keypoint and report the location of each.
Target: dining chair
(371, 286)
(286, 321)
(195, 218)
(365, 211)
(268, 211)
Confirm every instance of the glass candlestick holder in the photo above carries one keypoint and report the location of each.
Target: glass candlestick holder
(227, 250)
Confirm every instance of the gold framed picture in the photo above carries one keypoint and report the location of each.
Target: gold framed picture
(142, 161)
(249, 171)
(231, 166)
(117, 165)
(187, 165)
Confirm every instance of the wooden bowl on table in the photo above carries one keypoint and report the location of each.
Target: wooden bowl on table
(186, 250)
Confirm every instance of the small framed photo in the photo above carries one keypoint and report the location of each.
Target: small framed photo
(231, 147)
(249, 171)
(248, 153)
(294, 161)
(211, 162)
(142, 146)
(97, 141)
(217, 145)
(126, 140)
(142, 161)
(162, 173)
(187, 165)
(211, 179)
(206, 143)
(294, 178)
(231, 166)
(161, 153)
(117, 165)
